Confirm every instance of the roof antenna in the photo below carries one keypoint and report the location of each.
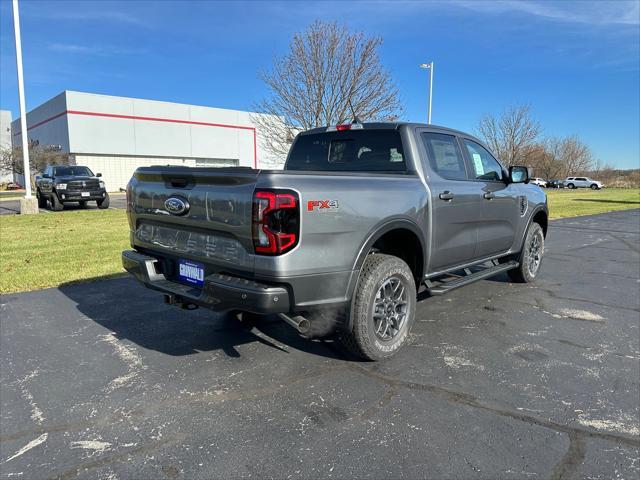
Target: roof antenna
(355, 117)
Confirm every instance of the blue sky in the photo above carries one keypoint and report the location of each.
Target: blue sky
(576, 63)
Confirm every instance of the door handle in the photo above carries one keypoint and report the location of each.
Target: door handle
(489, 195)
(446, 195)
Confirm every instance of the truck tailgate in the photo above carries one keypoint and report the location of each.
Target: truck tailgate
(214, 229)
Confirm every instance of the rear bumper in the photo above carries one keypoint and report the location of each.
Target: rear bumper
(220, 292)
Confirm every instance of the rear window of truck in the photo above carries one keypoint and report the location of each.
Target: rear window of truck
(349, 151)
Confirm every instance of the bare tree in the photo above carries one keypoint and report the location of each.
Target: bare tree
(327, 69)
(543, 161)
(574, 155)
(39, 157)
(511, 135)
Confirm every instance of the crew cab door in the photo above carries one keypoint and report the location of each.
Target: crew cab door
(455, 203)
(500, 201)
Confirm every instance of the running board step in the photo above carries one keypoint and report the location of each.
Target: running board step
(443, 287)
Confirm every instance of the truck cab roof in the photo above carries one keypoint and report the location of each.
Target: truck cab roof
(393, 126)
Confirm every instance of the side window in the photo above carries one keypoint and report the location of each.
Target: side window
(445, 156)
(485, 167)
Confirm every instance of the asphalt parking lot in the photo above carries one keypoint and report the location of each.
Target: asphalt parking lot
(101, 380)
(12, 206)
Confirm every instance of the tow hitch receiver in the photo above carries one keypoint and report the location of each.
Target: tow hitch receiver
(171, 299)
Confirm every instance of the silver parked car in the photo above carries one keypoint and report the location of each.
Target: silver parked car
(583, 182)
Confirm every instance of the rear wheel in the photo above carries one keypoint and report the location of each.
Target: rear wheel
(530, 257)
(383, 308)
(42, 200)
(56, 204)
(571, 185)
(104, 203)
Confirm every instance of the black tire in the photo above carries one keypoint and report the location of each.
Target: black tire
(571, 185)
(56, 204)
(42, 200)
(528, 268)
(594, 186)
(104, 203)
(377, 278)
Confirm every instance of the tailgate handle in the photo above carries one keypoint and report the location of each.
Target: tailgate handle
(446, 195)
(179, 182)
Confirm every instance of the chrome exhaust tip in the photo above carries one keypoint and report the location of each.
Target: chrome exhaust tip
(298, 322)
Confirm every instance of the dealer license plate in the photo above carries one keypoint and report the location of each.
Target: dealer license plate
(191, 272)
(85, 194)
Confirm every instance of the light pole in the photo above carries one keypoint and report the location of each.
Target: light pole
(428, 66)
(28, 204)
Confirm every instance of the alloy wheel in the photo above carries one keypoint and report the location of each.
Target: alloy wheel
(390, 308)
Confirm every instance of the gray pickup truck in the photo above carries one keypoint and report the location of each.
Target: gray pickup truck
(362, 216)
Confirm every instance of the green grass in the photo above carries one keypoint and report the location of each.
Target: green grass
(572, 203)
(49, 249)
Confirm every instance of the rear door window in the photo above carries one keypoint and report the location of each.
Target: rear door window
(444, 155)
(484, 166)
(349, 151)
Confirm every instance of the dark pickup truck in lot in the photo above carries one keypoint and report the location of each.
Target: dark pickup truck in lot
(361, 217)
(62, 184)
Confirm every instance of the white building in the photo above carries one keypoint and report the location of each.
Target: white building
(115, 135)
(5, 141)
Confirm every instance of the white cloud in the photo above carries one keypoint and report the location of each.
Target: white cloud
(594, 13)
(92, 50)
(111, 16)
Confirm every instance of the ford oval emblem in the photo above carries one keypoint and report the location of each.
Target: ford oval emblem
(176, 206)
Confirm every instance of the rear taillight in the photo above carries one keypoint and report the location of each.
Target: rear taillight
(276, 221)
(128, 201)
(344, 127)
(128, 195)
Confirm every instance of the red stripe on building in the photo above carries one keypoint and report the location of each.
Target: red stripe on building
(154, 119)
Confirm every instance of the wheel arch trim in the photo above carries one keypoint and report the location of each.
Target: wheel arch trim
(372, 237)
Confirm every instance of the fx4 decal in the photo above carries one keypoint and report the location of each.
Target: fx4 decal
(322, 205)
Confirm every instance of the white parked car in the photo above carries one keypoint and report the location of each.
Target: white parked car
(582, 182)
(539, 181)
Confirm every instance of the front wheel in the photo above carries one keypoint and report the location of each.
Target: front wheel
(594, 187)
(104, 203)
(383, 308)
(56, 204)
(530, 257)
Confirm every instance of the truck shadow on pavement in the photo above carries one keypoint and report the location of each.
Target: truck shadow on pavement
(139, 315)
